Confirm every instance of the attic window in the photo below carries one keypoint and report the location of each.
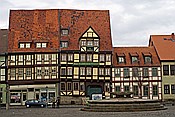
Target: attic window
(134, 59)
(41, 45)
(147, 59)
(64, 31)
(24, 45)
(64, 44)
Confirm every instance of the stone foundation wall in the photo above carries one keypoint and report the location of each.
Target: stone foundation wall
(71, 100)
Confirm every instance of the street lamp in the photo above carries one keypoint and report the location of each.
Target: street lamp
(46, 95)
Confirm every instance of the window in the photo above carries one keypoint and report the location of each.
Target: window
(69, 71)
(82, 87)
(76, 86)
(172, 69)
(20, 72)
(46, 71)
(82, 57)
(135, 90)
(155, 90)
(63, 57)
(154, 72)
(101, 71)
(21, 45)
(89, 43)
(165, 69)
(145, 90)
(53, 71)
(54, 57)
(63, 86)
(27, 45)
(39, 71)
(38, 45)
(117, 89)
(64, 44)
(69, 86)
(28, 72)
(126, 72)
(70, 57)
(96, 43)
(107, 87)
(20, 58)
(134, 59)
(43, 45)
(108, 58)
(117, 72)
(145, 72)
(107, 71)
(135, 72)
(63, 71)
(64, 31)
(173, 89)
(126, 88)
(83, 43)
(166, 89)
(102, 57)
(46, 57)
(147, 59)
(89, 57)
(12, 72)
(38, 56)
(2, 60)
(28, 57)
(121, 60)
(82, 71)
(88, 71)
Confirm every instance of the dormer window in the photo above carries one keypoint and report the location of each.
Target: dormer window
(41, 45)
(83, 43)
(147, 59)
(24, 45)
(64, 44)
(64, 31)
(121, 59)
(134, 59)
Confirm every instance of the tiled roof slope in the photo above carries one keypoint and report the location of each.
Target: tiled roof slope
(138, 51)
(164, 45)
(33, 26)
(78, 21)
(44, 25)
(3, 40)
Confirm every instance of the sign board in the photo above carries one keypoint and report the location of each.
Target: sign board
(96, 96)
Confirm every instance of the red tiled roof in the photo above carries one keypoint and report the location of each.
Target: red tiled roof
(164, 45)
(127, 51)
(33, 25)
(3, 40)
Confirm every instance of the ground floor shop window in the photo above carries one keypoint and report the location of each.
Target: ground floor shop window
(15, 98)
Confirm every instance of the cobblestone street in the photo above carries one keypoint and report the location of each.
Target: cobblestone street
(68, 111)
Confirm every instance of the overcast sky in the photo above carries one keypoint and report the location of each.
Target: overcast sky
(132, 21)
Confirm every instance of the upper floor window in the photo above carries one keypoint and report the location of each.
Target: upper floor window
(70, 57)
(107, 71)
(88, 71)
(89, 57)
(82, 57)
(63, 57)
(83, 43)
(147, 59)
(121, 59)
(134, 59)
(154, 72)
(24, 45)
(64, 31)
(108, 58)
(172, 69)
(41, 45)
(102, 57)
(126, 72)
(64, 44)
(82, 71)
(145, 72)
(101, 71)
(135, 72)
(117, 72)
(89, 43)
(96, 43)
(165, 69)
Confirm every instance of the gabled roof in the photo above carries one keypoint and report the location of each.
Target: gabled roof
(79, 21)
(139, 52)
(3, 40)
(34, 25)
(164, 45)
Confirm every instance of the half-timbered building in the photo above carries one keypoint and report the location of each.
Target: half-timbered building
(136, 72)
(59, 53)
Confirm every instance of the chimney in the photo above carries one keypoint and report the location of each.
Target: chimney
(172, 35)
